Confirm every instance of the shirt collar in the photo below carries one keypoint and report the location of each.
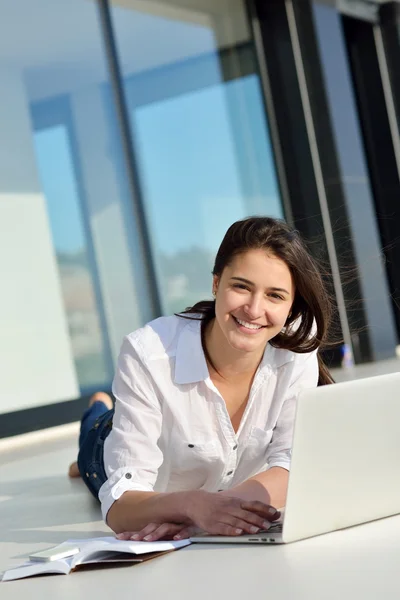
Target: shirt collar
(275, 357)
(190, 362)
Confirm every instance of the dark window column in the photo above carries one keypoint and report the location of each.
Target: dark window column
(374, 52)
(389, 30)
(141, 245)
(314, 169)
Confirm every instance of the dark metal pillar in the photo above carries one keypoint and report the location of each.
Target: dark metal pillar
(374, 52)
(313, 164)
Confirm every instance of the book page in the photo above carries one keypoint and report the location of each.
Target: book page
(91, 549)
(95, 551)
(28, 569)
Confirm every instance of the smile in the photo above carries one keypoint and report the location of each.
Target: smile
(248, 325)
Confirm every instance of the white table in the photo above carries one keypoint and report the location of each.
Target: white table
(40, 506)
(361, 562)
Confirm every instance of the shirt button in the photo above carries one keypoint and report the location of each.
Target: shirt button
(235, 447)
(229, 472)
(128, 475)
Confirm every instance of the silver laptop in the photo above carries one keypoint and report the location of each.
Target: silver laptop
(345, 466)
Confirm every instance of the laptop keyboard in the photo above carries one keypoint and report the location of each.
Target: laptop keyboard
(275, 528)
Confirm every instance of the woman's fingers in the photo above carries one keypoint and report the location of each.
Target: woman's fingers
(137, 536)
(126, 535)
(215, 529)
(253, 517)
(234, 525)
(263, 510)
(249, 521)
(187, 532)
(153, 532)
(254, 512)
(164, 531)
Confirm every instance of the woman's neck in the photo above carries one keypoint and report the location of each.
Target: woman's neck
(225, 360)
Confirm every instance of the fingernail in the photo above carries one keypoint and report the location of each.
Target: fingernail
(254, 529)
(148, 538)
(238, 531)
(272, 511)
(135, 536)
(119, 536)
(266, 524)
(177, 537)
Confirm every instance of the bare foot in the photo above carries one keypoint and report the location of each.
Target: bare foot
(101, 397)
(73, 470)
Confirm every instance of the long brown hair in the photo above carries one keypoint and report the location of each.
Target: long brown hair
(307, 325)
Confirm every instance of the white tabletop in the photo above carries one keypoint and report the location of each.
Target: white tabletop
(40, 507)
(361, 562)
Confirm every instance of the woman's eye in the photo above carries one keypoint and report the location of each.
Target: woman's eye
(240, 286)
(276, 296)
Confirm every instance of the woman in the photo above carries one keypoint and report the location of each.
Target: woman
(205, 400)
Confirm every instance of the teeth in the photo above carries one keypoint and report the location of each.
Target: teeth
(248, 325)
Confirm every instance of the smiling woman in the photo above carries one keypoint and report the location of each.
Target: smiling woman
(264, 275)
(205, 399)
(249, 309)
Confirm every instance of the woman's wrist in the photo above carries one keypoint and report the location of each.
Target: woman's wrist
(184, 502)
(190, 501)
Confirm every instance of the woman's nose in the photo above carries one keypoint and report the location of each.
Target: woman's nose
(253, 308)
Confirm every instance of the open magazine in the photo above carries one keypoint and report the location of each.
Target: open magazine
(93, 551)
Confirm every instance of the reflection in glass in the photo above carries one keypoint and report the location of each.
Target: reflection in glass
(55, 166)
(199, 132)
(72, 265)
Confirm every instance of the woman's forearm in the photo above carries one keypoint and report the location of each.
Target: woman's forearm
(134, 510)
(269, 487)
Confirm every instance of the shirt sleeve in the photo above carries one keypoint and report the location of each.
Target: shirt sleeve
(304, 376)
(131, 454)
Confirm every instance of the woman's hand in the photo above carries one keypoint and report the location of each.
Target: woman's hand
(214, 513)
(156, 531)
(219, 514)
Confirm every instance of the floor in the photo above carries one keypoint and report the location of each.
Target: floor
(40, 506)
(391, 365)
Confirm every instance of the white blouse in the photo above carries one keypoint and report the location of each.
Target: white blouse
(171, 429)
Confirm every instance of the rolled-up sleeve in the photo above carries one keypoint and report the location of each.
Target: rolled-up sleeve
(131, 453)
(304, 376)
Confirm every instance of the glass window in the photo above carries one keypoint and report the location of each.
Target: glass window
(72, 280)
(58, 179)
(199, 131)
(357, 188)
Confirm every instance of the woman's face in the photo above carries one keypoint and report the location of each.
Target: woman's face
(254, 296)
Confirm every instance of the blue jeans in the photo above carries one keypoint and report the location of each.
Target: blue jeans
(96, 424)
